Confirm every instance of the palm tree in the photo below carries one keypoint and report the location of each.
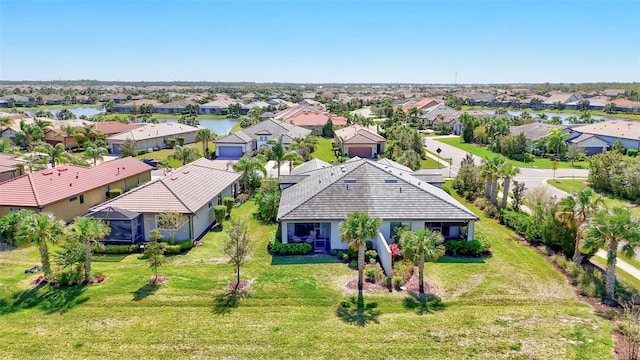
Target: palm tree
(575, 211)
(86, 230)
(609, 229)
(42, 229)
(186, 154)
(28, 135)
(248, 166)
(279, 153)
(95, 152)
(204, 136)
(555, 140)
(410, 159)
(490, 172)
(355, 230)
(57, 154)
(542, 116)
(44, 125)
(507, 172)
(420, 247)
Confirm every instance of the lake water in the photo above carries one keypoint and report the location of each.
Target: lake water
(563, 116)
(77, 111)
(217, 126)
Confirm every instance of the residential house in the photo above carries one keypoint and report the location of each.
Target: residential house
(221, 107)
(148, 136)
(451, 119)
(612, 92)
(315, 120)
(51, 99)
(116, 98)
(478, 98)
(598, 137)
(356, 140)
(13, 100)
(533, 131)
(313, 206)
(174, 107)
(192, 190)
(70, 190)
(113, 127)
(420, 105)
(134, 106)
(10, 167)
(563, 98)
(60, 132)
(627, 105)
(235, 145)
(435, 113)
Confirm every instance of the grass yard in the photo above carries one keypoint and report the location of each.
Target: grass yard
(324, 151)
(571, 185)
(538, 162)
(511, 305)
(430, 163)
(164, 154)
(550, 112)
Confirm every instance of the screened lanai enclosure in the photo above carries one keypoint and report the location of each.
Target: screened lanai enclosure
(126, 226)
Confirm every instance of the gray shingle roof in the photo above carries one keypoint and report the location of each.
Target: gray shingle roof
(270, 126)
(238, 137)
(311, 165)
(184, 190)
(364, 186)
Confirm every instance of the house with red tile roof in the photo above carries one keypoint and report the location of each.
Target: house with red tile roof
(70, 190)
(315, 120)
(626, 105)
(113, 127)
(422, 104)
(10, 167)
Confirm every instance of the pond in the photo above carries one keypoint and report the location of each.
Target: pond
(217, 126)
(77, 111)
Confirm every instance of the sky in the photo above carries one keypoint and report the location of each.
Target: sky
(306, 41)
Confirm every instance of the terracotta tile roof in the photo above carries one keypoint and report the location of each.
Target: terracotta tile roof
(48, 186)
(426, 102)
(113, 127)
(184, 190)
(626, 103)
(316, 118)
(356, 134)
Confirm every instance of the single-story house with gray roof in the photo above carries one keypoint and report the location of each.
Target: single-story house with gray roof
(234, 146)
(315, 203)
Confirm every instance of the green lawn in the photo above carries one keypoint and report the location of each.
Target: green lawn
(621, 274)
(542, 163)
(430, 163)
(549, 112)
(571, 185)
(511, 305)
(235, 128)
(164, 154)
(324, 151)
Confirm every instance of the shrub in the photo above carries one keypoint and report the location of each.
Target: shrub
(464, 247)
(403, 269)
(155, 148)
(632, 152)
(371, 273)
(397, 282)
(243, 198)
(372, 261)
(491, 211)
(114, 193)
(370, 254)
(172, 249)
(345, 257)
(523, 224)
(333, 252)
(228, 202)
(354, 264)
(142, 152)
(181, 140)
(340, 253)
(171, 143)
(69, 277)
(220, 212)
(276, 246)
(115, 249)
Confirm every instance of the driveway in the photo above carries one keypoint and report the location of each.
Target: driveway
(272, 168)
(532, 177)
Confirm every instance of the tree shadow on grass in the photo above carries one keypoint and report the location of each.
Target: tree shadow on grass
(48, 298)
(423, 304)
(147, 289)
(228, 300)
(356, 312)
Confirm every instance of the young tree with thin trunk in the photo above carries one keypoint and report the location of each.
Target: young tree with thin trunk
(204, 136)
(154, 252)
(355, 230)
(248, 166)
(184, 154)
(86, 230)
(41, 229)
(420, 247)
(607, 230)
(238, 246)
(575, 211)
(171, 222)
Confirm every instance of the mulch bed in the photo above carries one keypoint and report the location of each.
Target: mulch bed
(352, 285)
(242, 286)
(413, 284)
(158, 280)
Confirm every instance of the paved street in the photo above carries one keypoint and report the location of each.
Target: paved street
(532, 177)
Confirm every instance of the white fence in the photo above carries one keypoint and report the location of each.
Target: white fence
(384, 253)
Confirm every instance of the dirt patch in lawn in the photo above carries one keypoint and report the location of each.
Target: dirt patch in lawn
(350, 283)
(242, 287)
(158, 280)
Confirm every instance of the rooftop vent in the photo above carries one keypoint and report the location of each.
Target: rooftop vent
(350, 181)
(391, 181)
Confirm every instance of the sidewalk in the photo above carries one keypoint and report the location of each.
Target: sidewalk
(630, 269)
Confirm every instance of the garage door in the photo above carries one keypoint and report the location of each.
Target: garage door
(230, 152)
(592, 150)
(363, 152)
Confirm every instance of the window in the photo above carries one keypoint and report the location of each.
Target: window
(210, 204)
(433, 226)
(73, 198)
(81, 199)
(397, 226)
